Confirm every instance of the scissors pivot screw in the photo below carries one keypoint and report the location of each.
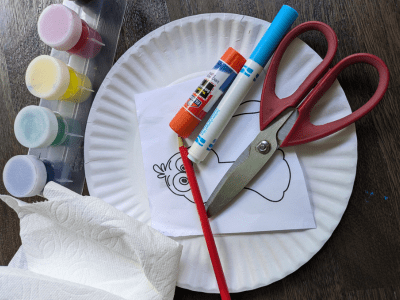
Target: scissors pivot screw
(263, 147)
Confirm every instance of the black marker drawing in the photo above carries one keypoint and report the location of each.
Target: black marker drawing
(174, 174)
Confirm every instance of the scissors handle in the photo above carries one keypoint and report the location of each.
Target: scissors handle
(303, 131)
(272, 106)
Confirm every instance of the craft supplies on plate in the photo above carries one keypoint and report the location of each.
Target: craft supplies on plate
(107, 139)
(286, 122)
(207, 93)
(51, 79)
(61, 28)
(173, 212)
(242, 84)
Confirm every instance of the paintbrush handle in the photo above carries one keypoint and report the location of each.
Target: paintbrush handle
(205, 225)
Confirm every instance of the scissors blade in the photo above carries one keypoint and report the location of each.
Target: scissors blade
(248, 164)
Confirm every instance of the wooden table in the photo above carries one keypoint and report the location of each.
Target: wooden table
(362, 258)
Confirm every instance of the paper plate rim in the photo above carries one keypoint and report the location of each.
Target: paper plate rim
(321, 235)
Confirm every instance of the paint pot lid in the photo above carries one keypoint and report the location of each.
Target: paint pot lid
(36, 127)
(59, 27)
(24, 176)
(47, 77)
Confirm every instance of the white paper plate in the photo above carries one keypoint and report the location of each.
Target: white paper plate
(113, 160)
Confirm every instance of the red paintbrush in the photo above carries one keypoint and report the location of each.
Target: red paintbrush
(205, 225)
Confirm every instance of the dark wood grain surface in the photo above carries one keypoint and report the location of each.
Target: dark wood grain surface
(362, 258)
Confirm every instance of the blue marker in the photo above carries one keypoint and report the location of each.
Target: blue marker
(243, 83)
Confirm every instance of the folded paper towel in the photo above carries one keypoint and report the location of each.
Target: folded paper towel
(83, 241)
(23, 284)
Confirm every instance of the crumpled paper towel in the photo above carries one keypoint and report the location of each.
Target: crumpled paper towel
(83, 245)
(23, 284)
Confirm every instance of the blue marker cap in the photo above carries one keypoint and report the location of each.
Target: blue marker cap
(275, 33)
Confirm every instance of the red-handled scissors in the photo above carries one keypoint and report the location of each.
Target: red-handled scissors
(278, 115)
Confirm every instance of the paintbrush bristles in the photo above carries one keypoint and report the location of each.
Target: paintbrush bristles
(180, 141)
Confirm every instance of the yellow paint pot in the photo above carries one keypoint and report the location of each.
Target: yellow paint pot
(51, 79)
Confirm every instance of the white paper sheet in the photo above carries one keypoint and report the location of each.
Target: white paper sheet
(276, 199)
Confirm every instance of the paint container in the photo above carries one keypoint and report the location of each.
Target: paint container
(24, 176)
(204, 97)
(62, 29)
(51, 79)
(39, 127)
(27, 175)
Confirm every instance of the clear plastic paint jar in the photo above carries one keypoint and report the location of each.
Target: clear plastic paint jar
(27, 175)
(51, 79)
(24, 176)
(61, 28)
(39, 127)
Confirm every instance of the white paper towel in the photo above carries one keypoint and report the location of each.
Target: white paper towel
(86, 243)
(23, 284)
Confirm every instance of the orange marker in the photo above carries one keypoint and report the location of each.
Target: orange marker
(204, 97)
